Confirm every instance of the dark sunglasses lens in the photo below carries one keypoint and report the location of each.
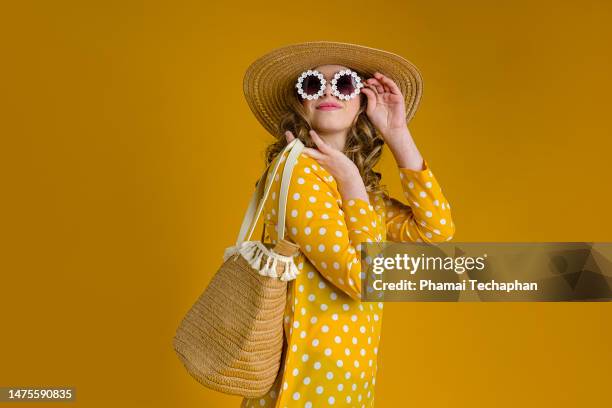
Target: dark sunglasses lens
(311, 84)
(346, 84)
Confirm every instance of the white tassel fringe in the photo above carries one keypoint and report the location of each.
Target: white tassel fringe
(255, 252)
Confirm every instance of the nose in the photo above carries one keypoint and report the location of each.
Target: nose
(328, 88)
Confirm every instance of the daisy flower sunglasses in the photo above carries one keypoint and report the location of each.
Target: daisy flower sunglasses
(345, 84)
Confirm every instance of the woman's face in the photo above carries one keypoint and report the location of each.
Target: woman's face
(330, 120)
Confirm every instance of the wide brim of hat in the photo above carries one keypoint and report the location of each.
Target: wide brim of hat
(269, 80)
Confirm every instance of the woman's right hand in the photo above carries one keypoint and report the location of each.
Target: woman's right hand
(342, 169)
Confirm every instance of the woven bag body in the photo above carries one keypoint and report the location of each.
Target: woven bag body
(231, 338)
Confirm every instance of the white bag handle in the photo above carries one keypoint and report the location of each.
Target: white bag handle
(259, 195)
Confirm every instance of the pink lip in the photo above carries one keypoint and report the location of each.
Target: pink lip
(328, 107)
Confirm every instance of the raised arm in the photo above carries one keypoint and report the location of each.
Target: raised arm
(329, 233)
(426, 217)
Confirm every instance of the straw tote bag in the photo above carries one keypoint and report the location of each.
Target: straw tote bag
(231, 339)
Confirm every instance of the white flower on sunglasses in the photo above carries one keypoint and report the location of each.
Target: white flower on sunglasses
(355, 79)
(301, 78)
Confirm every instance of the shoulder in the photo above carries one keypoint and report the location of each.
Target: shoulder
(309, 175)
(310, 166)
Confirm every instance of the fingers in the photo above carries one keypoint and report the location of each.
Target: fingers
(374, 82)
(371, 95)
(289, 136)
(391, 85)
(372, 88)
(321, 145)
(314, 153)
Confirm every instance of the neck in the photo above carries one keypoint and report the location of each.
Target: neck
(337, 139)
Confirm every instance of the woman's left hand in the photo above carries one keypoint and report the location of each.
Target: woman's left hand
(386, 108)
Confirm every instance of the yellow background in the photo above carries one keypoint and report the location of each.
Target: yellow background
(128, 156)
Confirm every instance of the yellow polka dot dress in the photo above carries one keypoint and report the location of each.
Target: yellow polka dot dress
(332, 338)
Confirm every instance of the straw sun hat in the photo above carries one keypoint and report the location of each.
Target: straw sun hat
(270, 80)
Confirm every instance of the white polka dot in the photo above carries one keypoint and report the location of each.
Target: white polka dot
(317, 366)
(319, 390)
(306, 380)
(331, 400)
(315, 342)
(325, 328)
(328, 351)
(312, 199)
(336, 248)
(294, 213)
(307, 230)
(308, 214)
(339, 363)
(442, 221)
(295, 372)
(338, 339)
(300, 180)
(423, 194)
(296, 395)
(428, 213)
(322, 231)
(321, 247)
(296, 196)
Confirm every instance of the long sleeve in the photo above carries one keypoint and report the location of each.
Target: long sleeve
(426, 217)
(329, 230)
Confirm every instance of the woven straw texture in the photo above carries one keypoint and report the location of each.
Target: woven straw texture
(231, 339)
(269, 81)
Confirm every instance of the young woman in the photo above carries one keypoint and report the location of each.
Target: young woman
(336, 203)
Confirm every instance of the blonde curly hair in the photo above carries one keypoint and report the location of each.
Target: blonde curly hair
(363, 144)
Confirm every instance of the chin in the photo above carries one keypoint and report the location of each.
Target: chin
(328, 126)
